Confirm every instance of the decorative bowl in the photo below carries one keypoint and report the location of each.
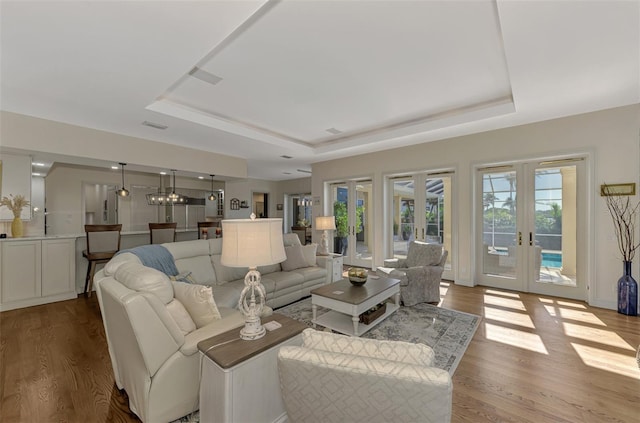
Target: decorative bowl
(358, 276)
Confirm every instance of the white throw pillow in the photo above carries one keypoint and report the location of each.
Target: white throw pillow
(295, 258)
(309, 253)
(181, 317)
(198, 300)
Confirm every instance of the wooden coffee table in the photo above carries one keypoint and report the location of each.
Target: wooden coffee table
(347, 302)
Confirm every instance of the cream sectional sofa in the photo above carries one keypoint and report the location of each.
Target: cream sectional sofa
(152, 339)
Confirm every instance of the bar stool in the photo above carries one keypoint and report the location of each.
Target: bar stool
(160, 233)
(103, 242)
(203, 228)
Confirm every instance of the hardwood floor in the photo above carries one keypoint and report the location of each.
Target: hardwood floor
(534, 359)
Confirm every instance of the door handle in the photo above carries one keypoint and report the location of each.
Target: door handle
(530, 239)
(423, 234)
(416, 233)
(519, 238)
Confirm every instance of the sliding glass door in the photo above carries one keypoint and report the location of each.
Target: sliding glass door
(529, 215)
(353, 211)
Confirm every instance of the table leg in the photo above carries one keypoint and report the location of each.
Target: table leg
(314, 308)
(397, 299)
(356, 322)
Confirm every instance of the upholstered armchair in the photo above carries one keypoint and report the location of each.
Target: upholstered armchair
(419, 273)
(336, 378)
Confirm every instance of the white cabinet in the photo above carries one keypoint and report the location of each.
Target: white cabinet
(36, 271)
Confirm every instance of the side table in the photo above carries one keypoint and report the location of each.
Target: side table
(335, 266)
(240, 381)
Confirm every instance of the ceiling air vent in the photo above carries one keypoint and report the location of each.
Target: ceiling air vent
(205, 76)
(304, 171)
(334, 131)
(155, 125)
(286, 157)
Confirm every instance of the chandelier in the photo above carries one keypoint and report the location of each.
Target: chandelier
(160, 198)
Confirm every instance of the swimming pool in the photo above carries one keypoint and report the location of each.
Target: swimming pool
(552, 259)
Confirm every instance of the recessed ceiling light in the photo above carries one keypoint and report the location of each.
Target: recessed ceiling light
(114, 167)
(200, 177)
(38, 164)
(155, 125)
(286, 157)
(163, 173)
(35, 174)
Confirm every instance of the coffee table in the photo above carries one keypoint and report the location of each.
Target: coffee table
(347, 302)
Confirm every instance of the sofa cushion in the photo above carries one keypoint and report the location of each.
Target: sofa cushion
(228, 294)
(137, 277)
(295, 258)
(269, 269)
(312, 273)
(309, 253)
(226, 273)
(186, 277)
(193, 256)
(198, 300)
(181, 316)
(285, 280)
(119, 259)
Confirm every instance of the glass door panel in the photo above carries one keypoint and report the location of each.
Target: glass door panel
(403, 215)
(353, 211)
(499, 223)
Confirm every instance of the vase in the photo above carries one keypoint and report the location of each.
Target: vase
(627, 292)
(17, 229)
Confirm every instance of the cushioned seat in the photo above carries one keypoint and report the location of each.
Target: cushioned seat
(336, 378)
(420, 273)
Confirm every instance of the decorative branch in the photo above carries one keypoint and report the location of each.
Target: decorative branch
(624, 216)
(15, 204)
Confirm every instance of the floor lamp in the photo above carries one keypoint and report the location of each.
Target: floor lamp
(325, 224)
(252, 243)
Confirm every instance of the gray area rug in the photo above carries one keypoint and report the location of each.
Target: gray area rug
(448, 332)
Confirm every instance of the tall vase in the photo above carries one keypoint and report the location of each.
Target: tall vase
(16, 228)
(627, 292)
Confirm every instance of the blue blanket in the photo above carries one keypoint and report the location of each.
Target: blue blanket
(155, 256)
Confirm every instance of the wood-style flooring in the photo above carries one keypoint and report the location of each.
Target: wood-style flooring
(534, 359)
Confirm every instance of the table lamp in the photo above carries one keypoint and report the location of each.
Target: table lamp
(325, 224)
(252, 243)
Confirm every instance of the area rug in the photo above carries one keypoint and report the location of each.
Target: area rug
(448, 332)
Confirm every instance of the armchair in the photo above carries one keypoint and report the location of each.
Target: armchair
(419, 273)
(336, 378)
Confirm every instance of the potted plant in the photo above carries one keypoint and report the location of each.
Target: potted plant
(342, 225)
(624, 215)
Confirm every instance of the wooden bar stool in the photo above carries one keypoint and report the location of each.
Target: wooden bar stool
(162, 232)
(103, 242)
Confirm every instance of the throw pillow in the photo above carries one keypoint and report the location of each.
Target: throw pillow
(309, 253)
(295, 258)
(198, 300)
(181, 317)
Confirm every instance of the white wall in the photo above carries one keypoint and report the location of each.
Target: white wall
(610, 137)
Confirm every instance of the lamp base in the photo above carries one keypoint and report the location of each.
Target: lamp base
(252, 330)
(323, 248)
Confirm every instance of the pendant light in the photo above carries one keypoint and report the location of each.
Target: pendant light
(212, 196)
(173, 197)
(123, 192)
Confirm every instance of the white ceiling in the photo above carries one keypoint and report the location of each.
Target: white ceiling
(314, 80)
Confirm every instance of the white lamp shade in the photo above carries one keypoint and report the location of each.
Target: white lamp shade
(252, 243)
(325, 223)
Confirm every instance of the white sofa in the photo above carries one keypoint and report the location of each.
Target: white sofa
(153, 350)
(336, 378)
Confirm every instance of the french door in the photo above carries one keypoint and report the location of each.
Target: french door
(353, 210)
(422, 211)
(528, 219)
